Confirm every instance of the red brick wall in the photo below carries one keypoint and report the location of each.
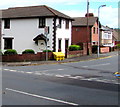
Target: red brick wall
(104, 49)
(26, 57)
(72, 54)
(79, 34)
(78, 53)
(95, 35)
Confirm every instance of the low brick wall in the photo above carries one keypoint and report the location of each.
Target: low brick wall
(104, 49)
(72, 54)
(40, 56)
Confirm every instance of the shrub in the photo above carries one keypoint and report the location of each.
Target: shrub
(118, 46)
(74, 48)
(28, 51)
(47, 51)
(1, 52)
(10, 52)
(94, 48)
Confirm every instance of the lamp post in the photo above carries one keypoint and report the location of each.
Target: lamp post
(98, 52)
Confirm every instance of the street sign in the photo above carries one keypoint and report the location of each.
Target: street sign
(46, 30)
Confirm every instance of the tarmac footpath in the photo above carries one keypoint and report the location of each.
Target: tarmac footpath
(67, 60)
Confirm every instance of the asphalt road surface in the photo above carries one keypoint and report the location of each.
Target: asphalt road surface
(80, 83)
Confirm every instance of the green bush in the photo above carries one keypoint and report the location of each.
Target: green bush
(47, 51)
(118, 46)
(10, 52)
(94, 48)
(28, 51)
(74, 47)
(1, 52)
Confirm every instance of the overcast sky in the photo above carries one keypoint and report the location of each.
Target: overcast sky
(74, 8)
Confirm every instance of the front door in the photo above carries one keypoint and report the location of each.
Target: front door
(66, 47)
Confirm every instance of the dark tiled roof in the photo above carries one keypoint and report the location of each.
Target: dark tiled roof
(82, 21)
(116, 34)
(32, 11)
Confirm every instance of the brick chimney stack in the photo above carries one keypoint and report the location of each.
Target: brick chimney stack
(89, 15)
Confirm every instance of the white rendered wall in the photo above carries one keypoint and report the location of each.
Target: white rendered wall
(63, 34)
(24, 31)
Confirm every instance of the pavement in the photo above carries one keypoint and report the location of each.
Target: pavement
(67, 60)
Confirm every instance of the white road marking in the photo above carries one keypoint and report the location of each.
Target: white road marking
(43, 97)
(6, 69)
(68, 76)
(48, 74)
(65, 75)
(60, 69)
(72, 77)
(22, 72)
(29, 72)
(85, 66)
(97, 65)
(37, 73)
(13, 70)
(59, 75)
(79, 77)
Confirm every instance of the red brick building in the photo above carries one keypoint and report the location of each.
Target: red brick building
(85, 30)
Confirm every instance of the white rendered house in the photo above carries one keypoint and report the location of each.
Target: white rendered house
(24, 28)
(106, 36)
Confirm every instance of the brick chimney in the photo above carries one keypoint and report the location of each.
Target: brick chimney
(89, 15)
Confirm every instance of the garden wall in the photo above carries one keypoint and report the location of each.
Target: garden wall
(72, 54)
(104, 49)
(40, 56)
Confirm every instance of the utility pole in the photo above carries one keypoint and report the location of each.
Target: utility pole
(87, 26)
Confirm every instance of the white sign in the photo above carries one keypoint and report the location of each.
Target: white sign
(46, 30)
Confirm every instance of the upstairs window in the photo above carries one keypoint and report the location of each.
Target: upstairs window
(59, 44)
(67, 24)
(7, 23)
(60, 23)
(94, 30)
(97, 30)
(41, 22)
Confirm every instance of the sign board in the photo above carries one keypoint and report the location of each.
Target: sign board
(46, 30)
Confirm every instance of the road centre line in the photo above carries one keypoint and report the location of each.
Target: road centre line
(43, 97)
(97, 65)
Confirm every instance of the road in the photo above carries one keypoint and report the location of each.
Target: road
(79, 83)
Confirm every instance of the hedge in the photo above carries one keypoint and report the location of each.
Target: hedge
(47, 51)
(10, 52)
(74, 47)
(28, 51)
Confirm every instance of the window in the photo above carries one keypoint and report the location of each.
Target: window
(7, 23)
(41, 22)
(94, 30)
(67, 24)
(97, 30)
(8, 43)
(60, 23)
(59, 44)
(66, 43)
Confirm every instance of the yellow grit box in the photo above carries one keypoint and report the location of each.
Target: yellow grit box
(59, 56)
